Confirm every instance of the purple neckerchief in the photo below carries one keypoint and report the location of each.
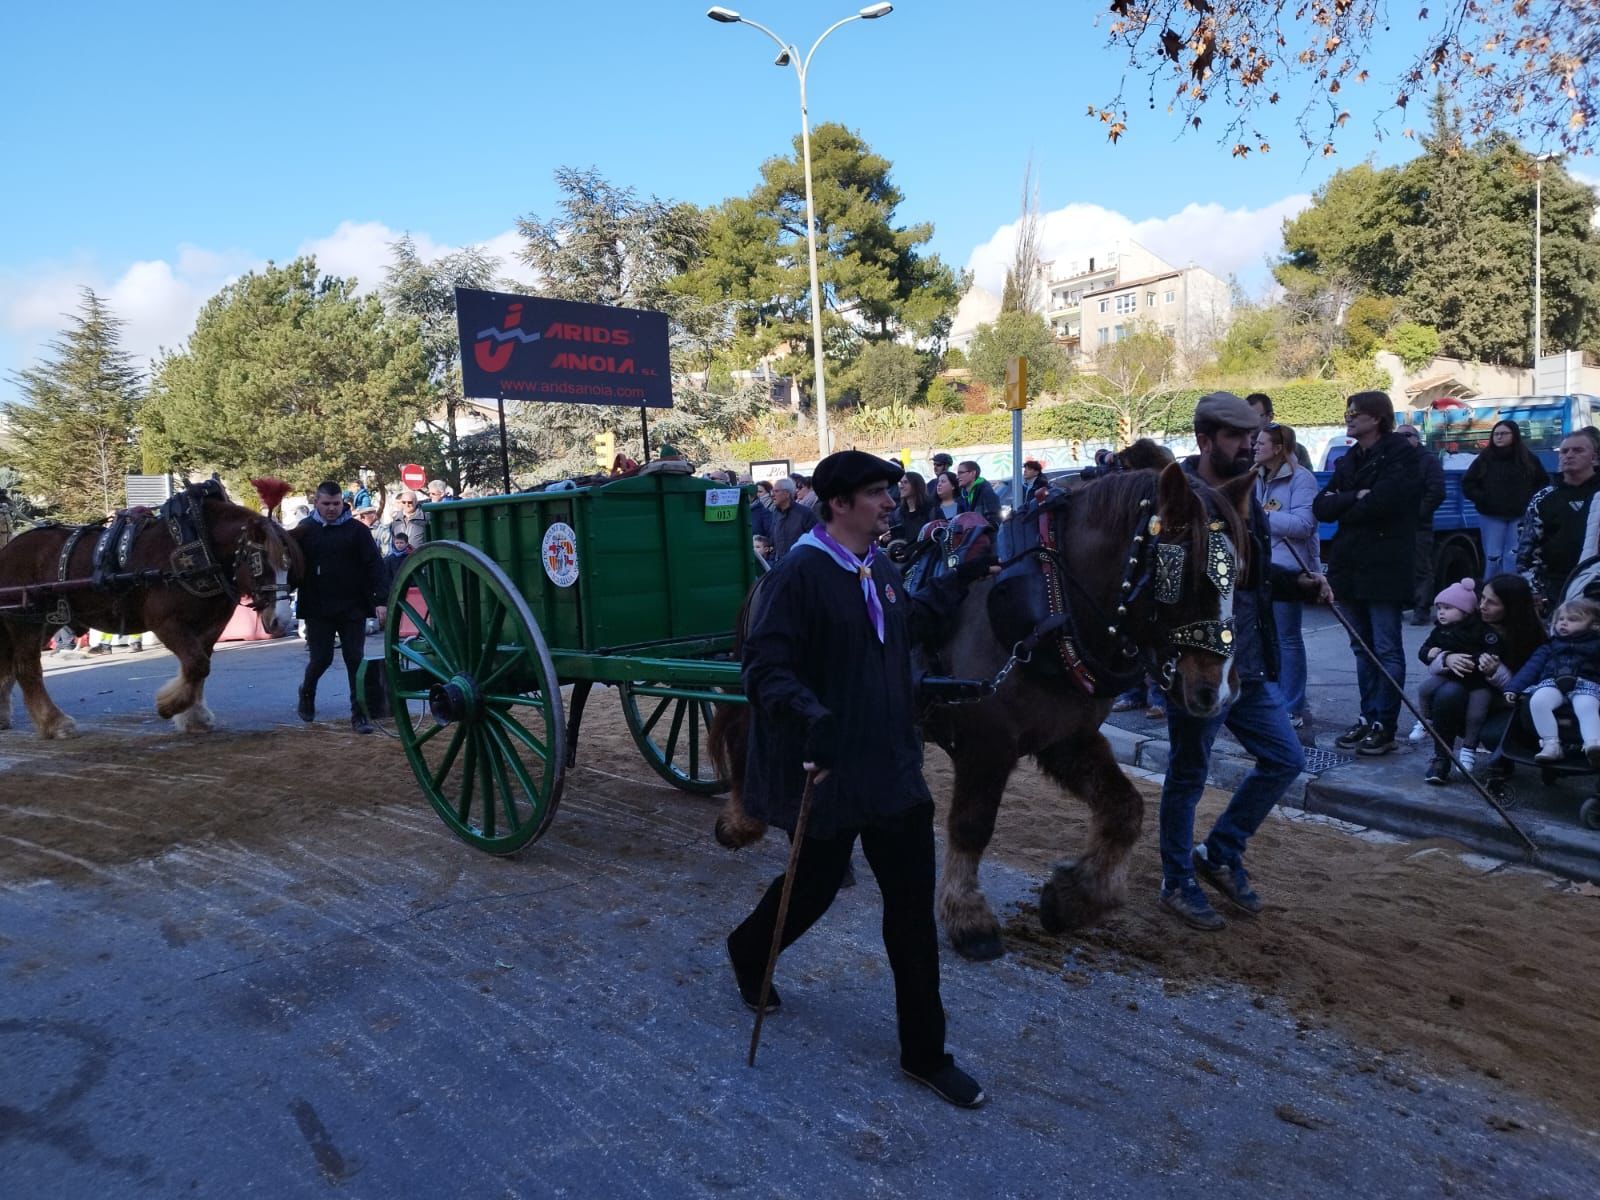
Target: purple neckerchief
(820, 538)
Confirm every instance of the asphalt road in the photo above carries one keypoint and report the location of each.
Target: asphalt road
(370, 1008)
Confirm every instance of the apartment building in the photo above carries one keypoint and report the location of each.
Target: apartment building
(1095, 301)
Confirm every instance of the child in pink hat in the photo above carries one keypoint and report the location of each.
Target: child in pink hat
(1451, 653)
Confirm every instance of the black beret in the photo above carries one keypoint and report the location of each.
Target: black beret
(849, 470)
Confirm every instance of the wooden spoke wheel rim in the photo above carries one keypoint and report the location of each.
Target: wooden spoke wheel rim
(475, 698)
(672, 734)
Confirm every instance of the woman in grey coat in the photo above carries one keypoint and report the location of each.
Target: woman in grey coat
(1285, 490)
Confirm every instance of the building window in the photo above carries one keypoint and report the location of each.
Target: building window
(1102, 336)
(1118, 333)
(1170, 330)
(1170, 297)
(1149, 299)
(1105, 306)
(1127, 303)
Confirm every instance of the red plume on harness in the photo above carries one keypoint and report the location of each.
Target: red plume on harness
(272, 491)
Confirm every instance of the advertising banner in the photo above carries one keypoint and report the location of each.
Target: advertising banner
(562, 352)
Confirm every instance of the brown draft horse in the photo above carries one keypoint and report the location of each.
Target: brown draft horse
(253, 558)
(1183, 631)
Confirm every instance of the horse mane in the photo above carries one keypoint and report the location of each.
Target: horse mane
(1111, 503)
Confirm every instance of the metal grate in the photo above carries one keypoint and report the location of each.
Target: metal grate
(1318, 760)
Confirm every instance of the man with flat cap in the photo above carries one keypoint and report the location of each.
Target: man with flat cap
(827, 669)
(1224, 430)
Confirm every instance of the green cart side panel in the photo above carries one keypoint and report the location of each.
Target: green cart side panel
(651, 568)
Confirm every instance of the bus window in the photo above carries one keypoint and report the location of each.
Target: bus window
(1459, 433)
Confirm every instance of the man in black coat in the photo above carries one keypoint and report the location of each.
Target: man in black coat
(344, 584)
(1424, 587)
(1562, 525)
(827, 669)
(1375, 495)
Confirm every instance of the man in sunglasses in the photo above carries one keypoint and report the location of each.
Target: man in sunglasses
(1375, 495)
(408, 520)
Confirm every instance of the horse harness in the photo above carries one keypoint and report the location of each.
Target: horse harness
(1153, 567)
(192, 565)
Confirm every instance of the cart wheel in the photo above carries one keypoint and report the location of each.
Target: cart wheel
(671, 733)
(1589, 813)
(475, 697)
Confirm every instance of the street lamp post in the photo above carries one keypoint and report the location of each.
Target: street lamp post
(789, 55)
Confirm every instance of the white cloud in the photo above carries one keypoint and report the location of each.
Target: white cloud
(158, 299)
(1223, 241)
(1594, 182)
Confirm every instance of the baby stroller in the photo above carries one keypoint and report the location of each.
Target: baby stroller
(1520, 742)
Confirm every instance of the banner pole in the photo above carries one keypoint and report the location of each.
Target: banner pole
(644, 426)
(505, 455)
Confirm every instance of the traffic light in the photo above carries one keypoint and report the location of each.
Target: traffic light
(605, 450)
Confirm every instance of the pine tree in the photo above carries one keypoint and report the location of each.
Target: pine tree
(75, 429)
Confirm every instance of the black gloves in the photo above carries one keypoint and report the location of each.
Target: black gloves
(822, 740)
(978, 568)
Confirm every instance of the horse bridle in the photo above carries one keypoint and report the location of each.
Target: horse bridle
(1165, 579)
(254, 557)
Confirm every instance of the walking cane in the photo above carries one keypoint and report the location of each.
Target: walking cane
(1417, 712)
(783, 911)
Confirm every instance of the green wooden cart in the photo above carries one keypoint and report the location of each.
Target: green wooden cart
(635, 584)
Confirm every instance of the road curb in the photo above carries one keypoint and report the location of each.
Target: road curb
(1462, 817)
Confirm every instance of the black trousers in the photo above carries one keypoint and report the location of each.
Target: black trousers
(320, 631)
(1422, 574)
(902, 861)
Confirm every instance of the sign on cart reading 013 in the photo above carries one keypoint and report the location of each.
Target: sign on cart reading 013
(562, 352)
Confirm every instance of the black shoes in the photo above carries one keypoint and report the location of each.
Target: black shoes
(1232, 881)
(1352, 737)
(306, 709)
(750, 987)
(1189, 904)
(1379, 740)
(949, 1082)
(359, 722)
(1438, 771)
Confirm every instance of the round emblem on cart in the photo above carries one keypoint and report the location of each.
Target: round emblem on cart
(888, 590)
(559, 553)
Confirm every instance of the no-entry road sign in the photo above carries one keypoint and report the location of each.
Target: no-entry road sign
(413, 476)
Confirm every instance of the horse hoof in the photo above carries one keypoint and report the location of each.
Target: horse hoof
(1065, 904)
(979, 947)
(65, 728)
(737, 836)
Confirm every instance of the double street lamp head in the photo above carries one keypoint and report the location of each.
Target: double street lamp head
(728, 17)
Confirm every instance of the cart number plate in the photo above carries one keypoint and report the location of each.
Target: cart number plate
(722, 504)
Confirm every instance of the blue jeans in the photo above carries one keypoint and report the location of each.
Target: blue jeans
(1286, 616)
(1261, 723)
(1379, 627)
(1499, 536)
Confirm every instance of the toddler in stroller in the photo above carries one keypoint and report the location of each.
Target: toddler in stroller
(1565, 670)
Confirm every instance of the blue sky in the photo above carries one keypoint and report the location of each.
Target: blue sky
(154, 151)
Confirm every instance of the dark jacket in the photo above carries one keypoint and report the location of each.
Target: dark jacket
(906, 523)
(980, 498)
(1432, 490)
(1371, 555)
(1255, 632)
(392, 562)
(788, 525)
(812, 652)
(1499, 485)
(344, 575)
(1463, 637)
(1577, 655)
(760, 518)
(1558, 532)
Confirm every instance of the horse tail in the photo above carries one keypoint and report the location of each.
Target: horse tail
(728, 741)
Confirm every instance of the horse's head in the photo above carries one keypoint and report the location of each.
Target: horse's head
(266, 564)
(1201, 552)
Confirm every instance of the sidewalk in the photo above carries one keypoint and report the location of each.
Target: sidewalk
(1388, 793)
